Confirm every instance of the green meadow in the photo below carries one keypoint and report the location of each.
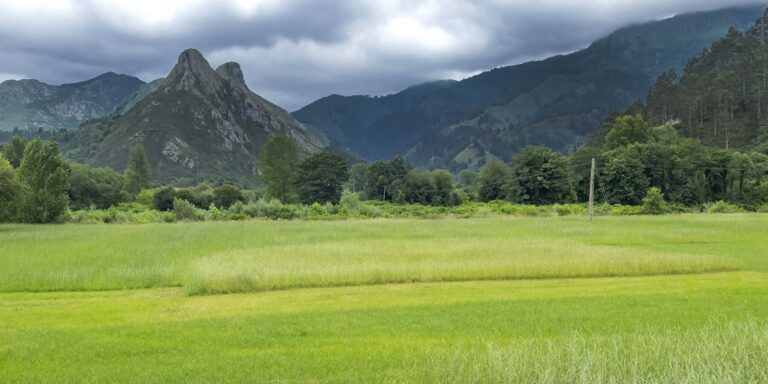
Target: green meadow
(635, 299)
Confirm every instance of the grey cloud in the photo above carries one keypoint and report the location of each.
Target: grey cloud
(296, 51)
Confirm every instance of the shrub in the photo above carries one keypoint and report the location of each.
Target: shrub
(763, 208)
(722, 207)
(226, 195)
(145, 197)
(653, 202)
(350, 202)
(163, 199)
(185, 211)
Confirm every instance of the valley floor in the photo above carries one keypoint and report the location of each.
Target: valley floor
(627, 299)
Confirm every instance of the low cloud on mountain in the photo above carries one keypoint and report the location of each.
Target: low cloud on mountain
(295, 51)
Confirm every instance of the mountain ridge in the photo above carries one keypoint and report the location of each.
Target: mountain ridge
(197, 125)
(556, 102)
(33, 104)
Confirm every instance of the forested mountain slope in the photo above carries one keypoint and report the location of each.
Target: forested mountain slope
(722, 96)
(555, 102)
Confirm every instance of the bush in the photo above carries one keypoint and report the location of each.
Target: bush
(763, 208)
(722, 207)
(350, 203)
(185, 211)
(145, 197)
(163, 199)
(653, 202)
(226, 195)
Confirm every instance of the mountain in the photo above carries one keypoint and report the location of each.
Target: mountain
(199, 124)
(556, 102)
(142, 93)
(31, 104)
(722, 96)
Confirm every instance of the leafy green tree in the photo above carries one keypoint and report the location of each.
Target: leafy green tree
(414, 188)
(468, 179)
(14, 151)
(99, 187)
(653, 202)
(627, 130)
(357, 176)
(137, 174)
(441, 184)
(493, 180)
(540, 176)
(277, 166)
(226, 195)
(381, 178)
(163, 199)
(320, 178)
(623, 177)
(46, 174)
(10, 192)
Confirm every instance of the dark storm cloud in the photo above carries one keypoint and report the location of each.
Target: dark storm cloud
(295, 51)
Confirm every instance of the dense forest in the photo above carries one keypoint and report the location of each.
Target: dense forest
(722, 96)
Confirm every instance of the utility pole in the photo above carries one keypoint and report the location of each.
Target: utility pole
(591, 189)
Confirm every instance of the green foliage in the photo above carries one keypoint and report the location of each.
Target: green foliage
(98, 187)
(626, 130)
(138, 173)
(320, 178)
(540, 176)
(226, 195)
(11, 192)
(493, 180)
(622, 177)
(277, 166)
(653, 202)
(186, 211)
(721, 206)
(382, 176)
(358, 173)
(162, 200)
(468, 179)
(14, 151)
(350, 203)
(145, 197)
(46, 174)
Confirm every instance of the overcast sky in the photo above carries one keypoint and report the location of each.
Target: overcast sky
(295, 51)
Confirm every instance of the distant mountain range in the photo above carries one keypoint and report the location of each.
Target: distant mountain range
(204, 124)
(31, 104)
(556, 102)
(196, 124)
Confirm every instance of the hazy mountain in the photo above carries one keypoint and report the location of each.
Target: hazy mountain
(33, 104)
(199, 124)
(555, 102)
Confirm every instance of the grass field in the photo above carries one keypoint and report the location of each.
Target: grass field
(626, 299)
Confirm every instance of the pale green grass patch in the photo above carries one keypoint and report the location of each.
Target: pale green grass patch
(734, 352)
(363, 261)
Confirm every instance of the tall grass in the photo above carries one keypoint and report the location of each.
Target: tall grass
(225, 257)
(372, 261)
(736, 352)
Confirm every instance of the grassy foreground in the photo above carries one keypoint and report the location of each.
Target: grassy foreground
(700, 328)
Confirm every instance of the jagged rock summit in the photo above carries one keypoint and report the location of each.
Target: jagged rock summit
(200, 124)
(232, 72)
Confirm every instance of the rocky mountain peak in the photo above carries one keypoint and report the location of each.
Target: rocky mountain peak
(192, 71)
(231, 71)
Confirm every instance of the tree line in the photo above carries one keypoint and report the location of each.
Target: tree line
(635, 161)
